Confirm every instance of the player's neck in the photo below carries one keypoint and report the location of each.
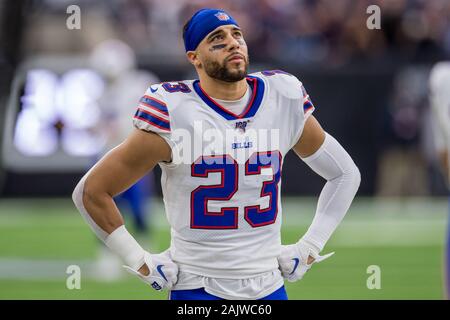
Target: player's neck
(223, 90)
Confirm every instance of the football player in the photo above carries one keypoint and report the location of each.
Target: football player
(220, 142)
(440, 106)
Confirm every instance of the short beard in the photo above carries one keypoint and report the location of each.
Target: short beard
(221, 72)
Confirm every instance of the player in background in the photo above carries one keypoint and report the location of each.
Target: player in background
(116, 62)
(440, 106)
(222, 196)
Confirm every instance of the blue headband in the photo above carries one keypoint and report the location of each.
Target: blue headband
(203, 22)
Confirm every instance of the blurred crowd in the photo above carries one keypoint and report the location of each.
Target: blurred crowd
(304, 32)
(327, 31)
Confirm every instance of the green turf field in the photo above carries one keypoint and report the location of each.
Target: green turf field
(40, 238)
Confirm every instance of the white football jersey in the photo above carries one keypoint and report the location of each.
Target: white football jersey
(222, 189)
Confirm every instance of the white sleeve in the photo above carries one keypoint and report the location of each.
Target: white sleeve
(335, 165)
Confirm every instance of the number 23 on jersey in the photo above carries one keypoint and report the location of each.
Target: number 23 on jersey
(228, 168)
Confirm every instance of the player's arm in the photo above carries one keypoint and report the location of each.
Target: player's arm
(116, 172)
(325, 156)
(113, 174)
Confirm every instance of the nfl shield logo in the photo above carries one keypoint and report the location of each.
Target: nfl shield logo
(222, 16)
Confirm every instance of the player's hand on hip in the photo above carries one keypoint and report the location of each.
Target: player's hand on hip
(296, 259)
(162, 272)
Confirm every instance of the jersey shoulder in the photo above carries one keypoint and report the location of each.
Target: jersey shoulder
(159, 102)
(289, 86)
(283, 83)
(152, 113)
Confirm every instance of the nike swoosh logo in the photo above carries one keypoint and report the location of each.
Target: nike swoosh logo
(297, 261)
(159, 269)
(153, 90)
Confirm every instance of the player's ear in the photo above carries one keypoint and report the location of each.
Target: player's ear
(192, 56)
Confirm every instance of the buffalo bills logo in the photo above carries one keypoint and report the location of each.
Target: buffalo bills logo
(222, 16)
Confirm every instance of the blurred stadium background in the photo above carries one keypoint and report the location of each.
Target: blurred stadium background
(66, 96)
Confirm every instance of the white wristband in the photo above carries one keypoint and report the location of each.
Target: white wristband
(121, 242)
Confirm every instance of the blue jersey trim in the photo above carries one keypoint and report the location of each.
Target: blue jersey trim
(250, 110)
(152, 119)
(150, 101)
